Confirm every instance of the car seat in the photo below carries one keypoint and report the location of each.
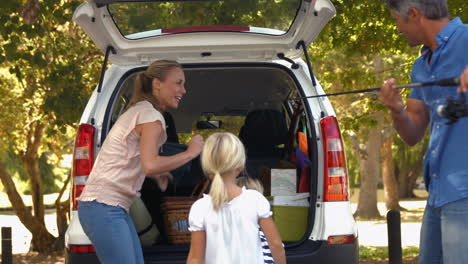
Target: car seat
(264, 135)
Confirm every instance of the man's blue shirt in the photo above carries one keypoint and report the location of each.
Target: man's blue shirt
(446, 159)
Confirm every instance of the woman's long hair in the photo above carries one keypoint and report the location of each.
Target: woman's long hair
(222, 153)
(143, 86)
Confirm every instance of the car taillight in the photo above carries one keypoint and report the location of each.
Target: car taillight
(335, 172)
(83, 158)
(339, 240)
(81, 249)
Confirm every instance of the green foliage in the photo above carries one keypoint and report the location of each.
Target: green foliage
(47, 72)
(353, 167)
(47, 175)
(358, 49)
(458, 8)
(13, 164)
(15, 168)
(48, 57)
(138, 17)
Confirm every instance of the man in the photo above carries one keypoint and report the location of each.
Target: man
(444, 55)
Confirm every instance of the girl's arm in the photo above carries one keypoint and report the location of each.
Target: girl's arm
(274, 240)
(197, 248)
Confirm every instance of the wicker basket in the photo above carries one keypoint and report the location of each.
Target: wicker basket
(175, 213)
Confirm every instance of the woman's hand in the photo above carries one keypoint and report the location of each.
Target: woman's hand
(163, 180)
(195, 145)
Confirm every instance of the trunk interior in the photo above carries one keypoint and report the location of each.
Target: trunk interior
(257, 102)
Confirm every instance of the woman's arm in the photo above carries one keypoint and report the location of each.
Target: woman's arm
(197, 248)
(274, 240)
(162, 180)
(153, 163)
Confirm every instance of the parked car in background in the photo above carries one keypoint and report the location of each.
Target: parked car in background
(244, 74)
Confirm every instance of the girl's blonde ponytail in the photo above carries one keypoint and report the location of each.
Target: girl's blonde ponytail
(218, 193)
(222, 153)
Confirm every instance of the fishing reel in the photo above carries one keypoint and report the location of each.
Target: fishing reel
(454, 109)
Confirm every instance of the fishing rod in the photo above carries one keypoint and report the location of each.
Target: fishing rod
(443, 82)
(453, 110)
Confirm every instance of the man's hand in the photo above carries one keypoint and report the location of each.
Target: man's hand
(390, 96)
(463, 88)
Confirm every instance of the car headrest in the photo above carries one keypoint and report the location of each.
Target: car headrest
(263, 130)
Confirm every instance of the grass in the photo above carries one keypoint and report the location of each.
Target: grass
(381, 253)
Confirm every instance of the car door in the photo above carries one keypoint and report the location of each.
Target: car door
(139, 32)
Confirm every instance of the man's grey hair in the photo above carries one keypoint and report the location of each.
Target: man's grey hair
(432, 9)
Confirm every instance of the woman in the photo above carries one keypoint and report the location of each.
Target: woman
(129, 153)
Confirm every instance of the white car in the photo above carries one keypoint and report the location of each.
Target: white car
(244, 74)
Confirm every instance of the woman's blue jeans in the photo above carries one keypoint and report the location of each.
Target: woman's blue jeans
(444, 234)
(112, 233)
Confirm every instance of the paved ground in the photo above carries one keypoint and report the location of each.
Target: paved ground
(21, 236)
(374, 233)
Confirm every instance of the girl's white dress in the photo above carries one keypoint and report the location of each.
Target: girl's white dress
(232, 232)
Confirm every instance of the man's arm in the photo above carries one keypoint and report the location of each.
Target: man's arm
(410, 122)
(464, 81)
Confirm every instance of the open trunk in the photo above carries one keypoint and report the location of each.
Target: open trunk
(257, 102)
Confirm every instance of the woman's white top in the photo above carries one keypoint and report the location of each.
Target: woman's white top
(117, 174)
(232, 232)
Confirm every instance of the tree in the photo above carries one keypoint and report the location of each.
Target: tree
(359, 49)
(44, 58)
(344, 57)
(408, 164)
(391, 189)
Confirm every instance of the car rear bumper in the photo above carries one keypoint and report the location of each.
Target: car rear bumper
(81, 258)
(325, 253)
(307, 252)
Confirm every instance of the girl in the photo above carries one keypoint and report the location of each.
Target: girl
(129, 153)
(255, 184)
(225, 224)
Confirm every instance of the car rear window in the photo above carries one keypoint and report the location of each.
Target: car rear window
(146, 19)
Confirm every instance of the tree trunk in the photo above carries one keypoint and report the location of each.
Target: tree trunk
(31, 163)
(388, 176)
(63, 210)
(409, 173)
(369, 172)
(407, 178)
(370, 167)
(42, 239)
